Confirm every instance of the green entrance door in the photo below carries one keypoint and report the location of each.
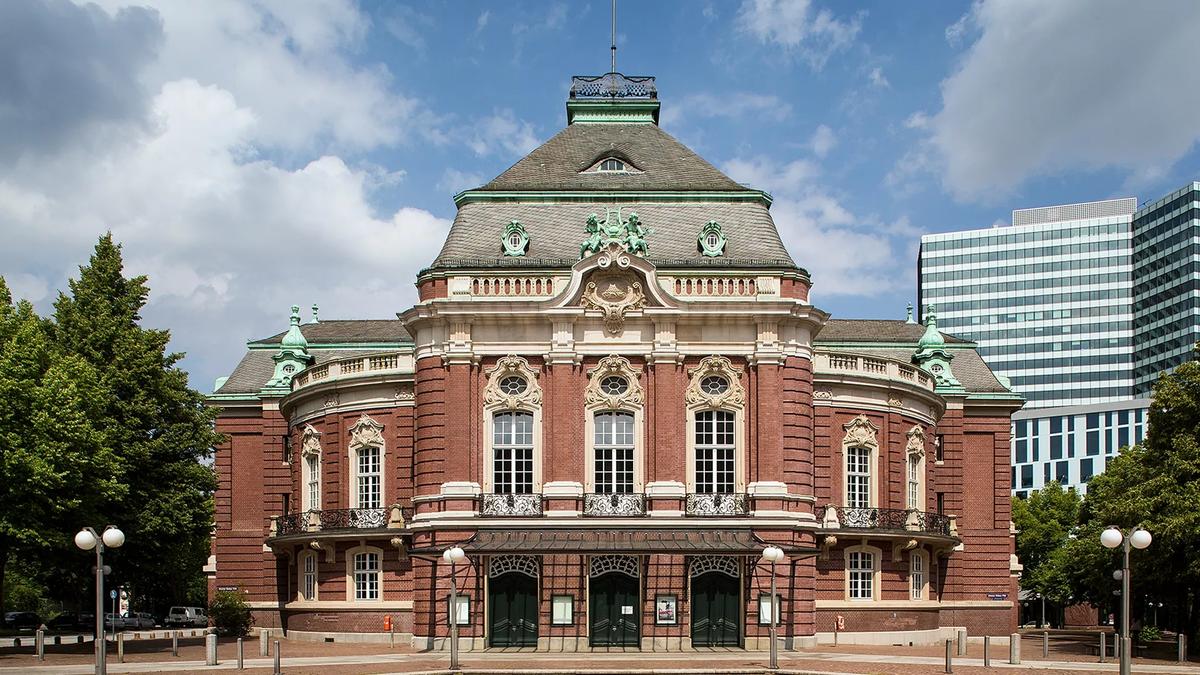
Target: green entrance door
(716, 610)
(614, 610)
(513, 599)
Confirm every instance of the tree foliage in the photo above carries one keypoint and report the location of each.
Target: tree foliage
(1044, 522)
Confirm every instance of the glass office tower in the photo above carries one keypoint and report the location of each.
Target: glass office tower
(1047, 299)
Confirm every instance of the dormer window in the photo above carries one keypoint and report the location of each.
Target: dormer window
(611, 164)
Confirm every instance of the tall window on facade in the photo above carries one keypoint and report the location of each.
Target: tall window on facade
(366, 576)
(714, 452)
(914, 482)
(308, 581)
(512, 453)
(312, 482)
(860, 567)
(858, 478)
(614, 452)
(369, 478)
(916, 574)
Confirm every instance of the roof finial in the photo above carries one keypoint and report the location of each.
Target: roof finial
(295, 315)
(614, 37)
(316, 319)
(909, 319)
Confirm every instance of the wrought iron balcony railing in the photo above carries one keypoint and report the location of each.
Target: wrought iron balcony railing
(512, 506)
(716, 504)
(894, 520)
(613, 85)
(623, 505)
(332, 519)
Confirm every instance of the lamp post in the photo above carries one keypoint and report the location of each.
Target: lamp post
(773, 554)
(87, 539)
(453, 555)
(1138, 538)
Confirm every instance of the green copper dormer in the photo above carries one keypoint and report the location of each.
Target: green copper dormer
(291, 358)
(932, 356)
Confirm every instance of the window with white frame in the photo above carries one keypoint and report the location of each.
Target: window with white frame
(613, 448)
(917, 574)
(512, 453)
(858, 478)
(308, 576)
(860, 574)
(369, 477)
(312, 482)
(715, 452)
(611, 164)
(914, 482)
(366, 575)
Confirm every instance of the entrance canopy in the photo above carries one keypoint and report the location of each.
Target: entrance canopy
(740, 541)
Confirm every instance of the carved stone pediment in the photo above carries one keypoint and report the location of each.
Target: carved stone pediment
(705, 385)
(310, 442)
(861, 432)
(614, 293)
(512, 384)
(596, 396)
(916, 441)
(366, 433)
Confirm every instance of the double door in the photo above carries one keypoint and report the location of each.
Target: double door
(716, 610)
(614, 610)
(514, 610)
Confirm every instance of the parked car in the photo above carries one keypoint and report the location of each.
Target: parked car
(22, 620)
(138, 621)
(113, 622)
(65, 623)
(187, 617)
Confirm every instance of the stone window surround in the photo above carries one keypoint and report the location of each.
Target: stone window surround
(876, 575)
(924, 557)
(915, 451)
(310, 448)
(366, 433)
(732, 400)
(632, 401)
(861, 433)
(301, 559)
(350, 555)
(497, 401)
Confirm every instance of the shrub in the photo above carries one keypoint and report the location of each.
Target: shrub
(1149, 634)
(230, 614)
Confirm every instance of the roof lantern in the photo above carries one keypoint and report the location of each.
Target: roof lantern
(613, 98)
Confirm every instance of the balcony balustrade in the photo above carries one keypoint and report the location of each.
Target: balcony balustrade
(892, 520)
(623, 505)
(334, 519)
(717, 504)
(511, 506)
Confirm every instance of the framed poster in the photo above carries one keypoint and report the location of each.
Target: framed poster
(665, 609)
(562, 610)
(463, 616)
(764, 609)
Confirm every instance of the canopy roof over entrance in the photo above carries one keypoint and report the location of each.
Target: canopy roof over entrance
(741, 541)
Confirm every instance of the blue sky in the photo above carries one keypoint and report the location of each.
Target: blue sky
(258, 154)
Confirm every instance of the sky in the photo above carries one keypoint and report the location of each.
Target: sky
(254, 155)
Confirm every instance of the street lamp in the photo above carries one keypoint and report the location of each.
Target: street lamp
(773, 554)
(1139, 539)
(453, 555)
(87, 539)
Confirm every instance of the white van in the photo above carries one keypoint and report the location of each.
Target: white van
(186, 617)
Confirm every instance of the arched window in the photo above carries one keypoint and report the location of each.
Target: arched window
(918, 574)
(612, 164)
(613, 447)
(858, 477)
(512, 453)
(308, 575)
(715, 452)
(862, 573)
(364, 574)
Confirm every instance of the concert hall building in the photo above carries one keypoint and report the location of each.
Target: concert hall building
(613, 394)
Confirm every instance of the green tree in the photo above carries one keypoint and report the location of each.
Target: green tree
(160, 427)
(57, 467)
(1045, 521)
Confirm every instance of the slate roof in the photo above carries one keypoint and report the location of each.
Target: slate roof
(348, 331)
(876, 330)
(664, 163)
(257, 366)
(557, 229)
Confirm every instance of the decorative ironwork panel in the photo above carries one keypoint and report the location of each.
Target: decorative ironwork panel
(503, 564)
(937, 523)
(897, 520)
(512, 505)
(618, 505)
(625, 564)
(293, 523)
(613, 85)
(353, 519)
(726, 564)
(716, 504)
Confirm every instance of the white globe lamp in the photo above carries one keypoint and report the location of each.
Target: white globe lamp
(85, 540)
(1140, 538)
(113, 537)
(1111, 538)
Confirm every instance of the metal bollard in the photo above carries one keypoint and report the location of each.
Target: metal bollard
(987, 651)
(264, 647)
(1117, 647)
(277, 670)
(949, 656)
(1182, 656)
(1014, 649)
(120, 648)
(210, 649)
(1045, 644)
(962, 643)
(174, 643)
(39, 645)
(241, 657)
(1103, 645)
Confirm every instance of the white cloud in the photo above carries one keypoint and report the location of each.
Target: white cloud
(455, 181)
(482, 22)
(917, 120)
(409, 26)
(734, 105)
(501, 131)
(794, 26)
(878, 79)
(822, 141)
(1068, 85)
(764, 174)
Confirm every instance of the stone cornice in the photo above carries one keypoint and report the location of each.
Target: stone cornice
(485, 196)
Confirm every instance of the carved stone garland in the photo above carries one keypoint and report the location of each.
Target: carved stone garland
(366, 433)
(725, 564)
(625, 564)
(310, 442)
(620, 366)
(860, 432)
(734, 395)
(503, 564)
(614, 294)
(512, 366)
(916, 441)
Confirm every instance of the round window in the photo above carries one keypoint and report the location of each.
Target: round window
(714, 385)
(712, 240)
(614, 385)
(289, 369)
(513, 385)
(514, 240)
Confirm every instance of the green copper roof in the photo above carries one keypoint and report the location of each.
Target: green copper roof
(931, 338)
(294, 338)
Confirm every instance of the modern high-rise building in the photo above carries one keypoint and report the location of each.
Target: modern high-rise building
(1047, 299)
(1166, 284)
